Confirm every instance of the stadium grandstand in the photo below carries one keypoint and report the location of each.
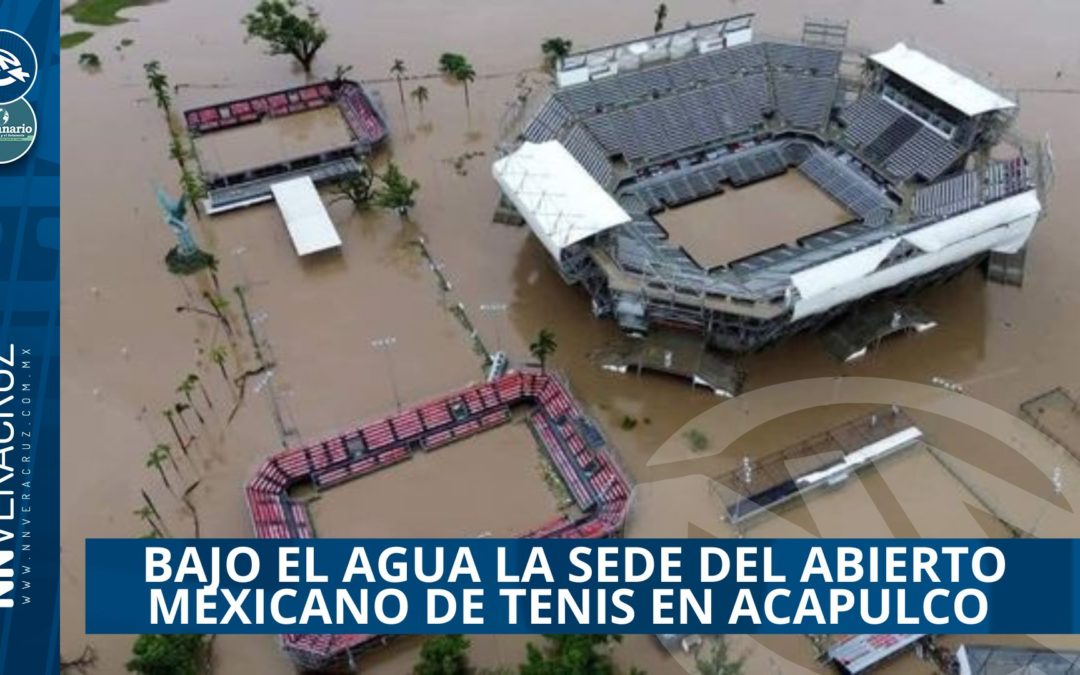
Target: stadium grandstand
(237, 188)
(571, 441)
(920, 157)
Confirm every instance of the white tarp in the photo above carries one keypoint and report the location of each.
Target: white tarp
(305, 216)
(559, 200)
(962, 93)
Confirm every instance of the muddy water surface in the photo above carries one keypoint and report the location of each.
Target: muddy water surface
(125, 347)
(744, 221)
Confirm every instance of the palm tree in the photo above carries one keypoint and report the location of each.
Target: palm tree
(206, 396)
(180, 409)
(159, 85)
(554, 49)
(421, 96)
(219, 354)
(340, 72)
(219, 304)
(458, 67)
(148, 515)
(398, 70)
(161, 530)
(169, 416)
(543, 347)
(167, 449)
(187, 385)
(156, 461)
(465, 74)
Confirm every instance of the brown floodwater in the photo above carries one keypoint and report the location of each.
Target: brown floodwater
(126, 348)
(274, 139)
(488, 485)
(744, 221)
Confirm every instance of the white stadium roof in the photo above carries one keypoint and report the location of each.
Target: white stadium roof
(962, 93)
(559, 200)
(305, 216)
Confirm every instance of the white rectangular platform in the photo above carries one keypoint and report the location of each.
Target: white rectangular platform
(305, 216)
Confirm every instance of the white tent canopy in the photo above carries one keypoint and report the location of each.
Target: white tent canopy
(937, 79)
(559, 200)
(305, 216)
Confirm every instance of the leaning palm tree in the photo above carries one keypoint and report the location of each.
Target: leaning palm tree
(148, 516)
(187, 386)
(167, 449)
(192, 377)
(219, 354)
(170, 416)
(421, 96)
(465, 74)
(398, 70)
(543, 347)
(156, 460)
(180, 409)
(340, 73)
(159, 85)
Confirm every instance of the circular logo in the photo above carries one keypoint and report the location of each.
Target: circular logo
(18, 129)
(18, 66)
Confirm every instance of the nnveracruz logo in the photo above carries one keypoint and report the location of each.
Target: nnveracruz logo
(18, 66)
(18, 129)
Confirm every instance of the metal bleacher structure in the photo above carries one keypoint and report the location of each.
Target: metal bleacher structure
(670, 119)
(360, 110)
(572, 442)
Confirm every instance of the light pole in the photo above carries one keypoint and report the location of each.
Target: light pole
(496, 309)
(266, 383)
(385, 345)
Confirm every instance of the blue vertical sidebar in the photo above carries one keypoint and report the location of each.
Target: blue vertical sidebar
(29, 321)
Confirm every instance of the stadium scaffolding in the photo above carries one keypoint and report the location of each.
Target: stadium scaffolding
(584, 460)
(827, 459)
(246, 187)
(666, 120)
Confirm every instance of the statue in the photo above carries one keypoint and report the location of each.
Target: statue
(174, 212)
(186, 257)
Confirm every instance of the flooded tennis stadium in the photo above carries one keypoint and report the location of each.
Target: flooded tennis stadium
(288, 349)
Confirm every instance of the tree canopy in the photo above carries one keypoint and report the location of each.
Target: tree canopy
(543, 346)
(168, 655)
(357, 188)
(555, 48)
(718, 661)
(450, 62)
(578, 654)
(287, 28)
(397, 191)
(456, 66)
(444, 655)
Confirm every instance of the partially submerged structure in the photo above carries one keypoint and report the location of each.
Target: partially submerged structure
(237, 187)
(852, 336)
(763, 485)
(855, 654)
(897, 138)
(671, 354)
(1056, 413)
(1000, 660)
(309, 226)
(572, 442)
